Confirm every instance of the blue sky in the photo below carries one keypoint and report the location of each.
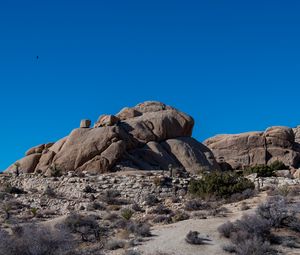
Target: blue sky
(232, 65)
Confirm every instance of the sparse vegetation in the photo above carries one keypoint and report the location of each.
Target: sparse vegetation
(86, 226)
(266, 170)
(252, 233)
(89, 189)
(34, 211)
(55, 171)
(219, 185)
(196, 204)
(127, 213)
(150, 200)
(35, 240)
(161, 209)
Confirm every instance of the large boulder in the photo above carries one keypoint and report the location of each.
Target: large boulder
(148, 136)
(183, 152)
(256, 148)
(26, 164)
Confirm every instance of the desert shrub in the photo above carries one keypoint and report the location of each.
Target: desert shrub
(278, 165)
(292, 222)
(135, 207)
(7, 208)
(266, 170)
(274, 210)
(126, 213)
(219, 185)
(180, 216)
(284, 190)
(34, 211)
(112, 197)
(253, 245)
(97, 206)
(139, 229)
(161, 209)
(193, 238)
(165, 219)
(89, 189)
(55, 171)
(248, 234)
(291, 243)
(247, 193)
(220, 212)
(150, 200)
(226, 229)
(254, 225)
(86, 226)
(36, 240)
(260, 170)
(115, 244)
(252, 233)
(196, 204)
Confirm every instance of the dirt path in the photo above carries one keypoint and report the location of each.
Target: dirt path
(170, 239)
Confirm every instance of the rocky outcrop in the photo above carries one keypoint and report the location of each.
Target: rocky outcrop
(148, 136)
(256, 148)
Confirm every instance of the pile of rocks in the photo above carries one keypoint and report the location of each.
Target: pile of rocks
(73, 192)
(149, 136)
(257, 148)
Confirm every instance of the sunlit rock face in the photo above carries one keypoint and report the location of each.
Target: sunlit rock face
(148, 136)
(257, 148)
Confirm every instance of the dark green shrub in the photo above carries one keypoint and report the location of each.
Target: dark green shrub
(219, 185)
(266, 170)
(127, 213)
(260, 170)
(278, 165)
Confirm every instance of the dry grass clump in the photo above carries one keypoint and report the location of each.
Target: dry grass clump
(253, 234)
(36, 240)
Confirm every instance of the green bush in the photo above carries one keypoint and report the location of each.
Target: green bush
(266, 170)
(126, 214)
(278, 165)
(219, 185)
(260, 170)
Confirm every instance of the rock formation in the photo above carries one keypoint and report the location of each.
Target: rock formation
(257, 148)
(148, 136)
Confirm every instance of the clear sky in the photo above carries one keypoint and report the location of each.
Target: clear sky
(233, 65)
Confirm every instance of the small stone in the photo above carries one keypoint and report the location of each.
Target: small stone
(85, 124)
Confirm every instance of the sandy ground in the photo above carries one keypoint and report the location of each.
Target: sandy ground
(170, 239)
